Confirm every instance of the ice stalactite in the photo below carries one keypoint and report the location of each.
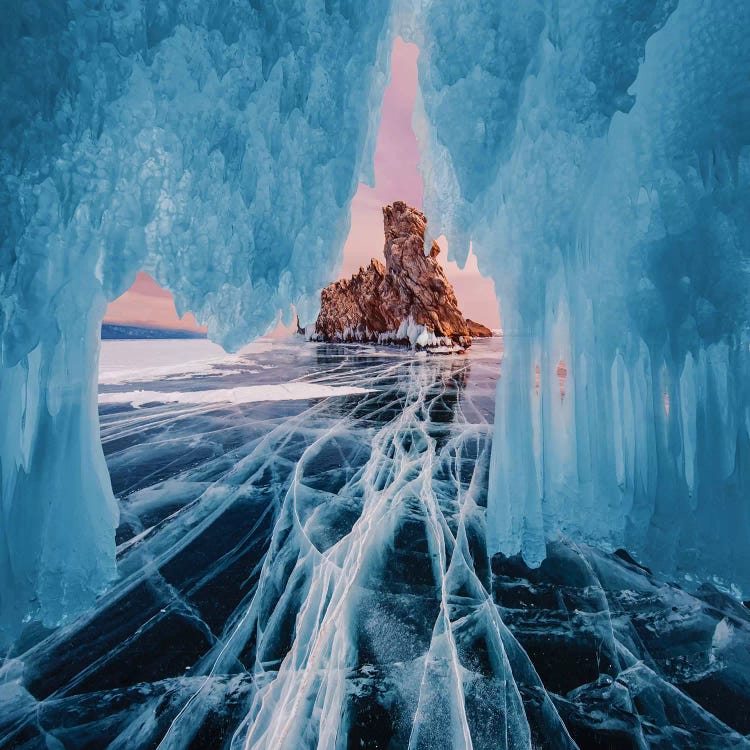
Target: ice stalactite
(597, 157)
(58, 516)
(595, 154)
(215, 145)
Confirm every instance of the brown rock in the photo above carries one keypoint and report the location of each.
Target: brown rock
(407, 301)
(477, 330)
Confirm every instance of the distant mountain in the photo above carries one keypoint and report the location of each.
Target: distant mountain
(115, 331)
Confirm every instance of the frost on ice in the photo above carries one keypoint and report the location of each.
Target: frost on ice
(216, 145)
(597, 155)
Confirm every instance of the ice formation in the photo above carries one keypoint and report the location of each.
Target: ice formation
(594, 153)
(597, 155)
(216, 145)
(417, 336)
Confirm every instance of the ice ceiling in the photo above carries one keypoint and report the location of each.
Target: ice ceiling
(594, 152)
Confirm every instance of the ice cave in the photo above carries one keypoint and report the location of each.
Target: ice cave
(427, 560)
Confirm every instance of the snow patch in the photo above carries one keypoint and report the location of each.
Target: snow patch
(409, 333)
(242, 395)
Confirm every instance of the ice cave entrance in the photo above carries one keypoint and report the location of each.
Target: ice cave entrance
(603, 189)
(150, 353)
(147, 312)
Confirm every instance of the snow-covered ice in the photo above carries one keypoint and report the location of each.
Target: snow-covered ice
(129, 361)
(241, 395)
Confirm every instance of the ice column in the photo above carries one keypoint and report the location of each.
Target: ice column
(597, 157)
(216, 145)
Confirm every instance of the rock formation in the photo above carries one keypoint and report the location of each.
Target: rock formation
(408, 301)
(477, 330)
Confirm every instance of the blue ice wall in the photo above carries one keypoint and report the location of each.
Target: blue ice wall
(596, 154)
(215, 144)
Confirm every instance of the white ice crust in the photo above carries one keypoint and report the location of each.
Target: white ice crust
(293, 391)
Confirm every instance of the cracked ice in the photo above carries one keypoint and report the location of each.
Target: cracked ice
(314, 573)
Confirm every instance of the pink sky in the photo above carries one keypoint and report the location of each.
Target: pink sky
(396, 178)
(148, 304)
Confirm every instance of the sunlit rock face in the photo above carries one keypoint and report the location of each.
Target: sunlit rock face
(216, 145)
(597, 155)
(477, 330)
(408, 301)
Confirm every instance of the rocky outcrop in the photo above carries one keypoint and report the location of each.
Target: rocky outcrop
(477, 330)
(407, 301)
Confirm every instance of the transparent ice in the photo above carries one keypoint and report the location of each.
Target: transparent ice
(314, 574)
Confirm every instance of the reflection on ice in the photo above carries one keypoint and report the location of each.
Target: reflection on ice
(312, 573)
(241, 395)
(136, 360)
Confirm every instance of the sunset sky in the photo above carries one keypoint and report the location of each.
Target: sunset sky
(396, 178)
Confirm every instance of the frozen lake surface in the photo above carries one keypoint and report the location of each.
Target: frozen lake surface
(302, 565)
